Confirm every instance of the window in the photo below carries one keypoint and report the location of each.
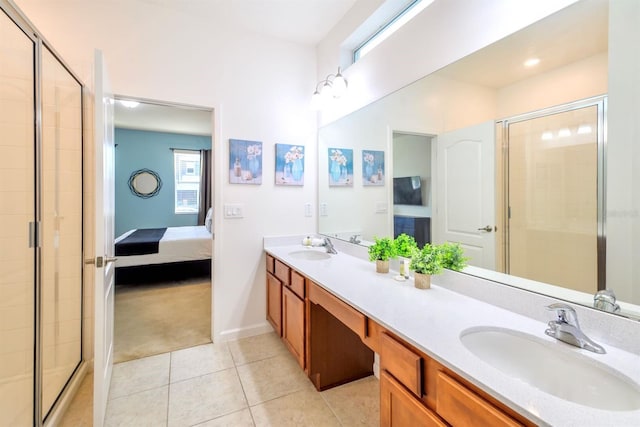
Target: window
(390, 27)
(186, 165)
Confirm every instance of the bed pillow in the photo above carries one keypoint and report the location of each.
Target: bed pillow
(209, 220)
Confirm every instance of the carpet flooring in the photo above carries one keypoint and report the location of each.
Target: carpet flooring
(158, 318)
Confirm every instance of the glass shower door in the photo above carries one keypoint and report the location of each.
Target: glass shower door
(17, 211)
(553, 198)
(61, 227)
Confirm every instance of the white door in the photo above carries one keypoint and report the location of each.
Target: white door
(465, 198)
(104, 248)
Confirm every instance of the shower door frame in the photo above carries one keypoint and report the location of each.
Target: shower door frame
(40, 43)
(601, 245)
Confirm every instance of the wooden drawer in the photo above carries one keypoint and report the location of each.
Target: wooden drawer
(282, 272)
(270, 264)
(460, 406)
(402, 363)
(297, 283)
(399, 408)
(346, 314)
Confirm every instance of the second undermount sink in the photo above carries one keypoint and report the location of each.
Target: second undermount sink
(309, 255)
(554, 369)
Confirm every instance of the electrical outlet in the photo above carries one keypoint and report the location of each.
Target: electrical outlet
(233, 210)
(323, 209)
(381, 207)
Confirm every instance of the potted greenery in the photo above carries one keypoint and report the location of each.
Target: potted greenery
(425, 262)
(452, 256)
(405, 245)
(381, 251)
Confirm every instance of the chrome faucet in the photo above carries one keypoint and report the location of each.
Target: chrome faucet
(329, 246)
(566, 328)
(354, 239)
(605, 300)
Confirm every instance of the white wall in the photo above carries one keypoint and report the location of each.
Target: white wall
(441, 34)
(259, 88)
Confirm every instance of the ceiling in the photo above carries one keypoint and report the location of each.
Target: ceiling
(555, 45)
(163, 118)
(298, 21)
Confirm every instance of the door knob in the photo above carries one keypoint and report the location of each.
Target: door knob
(487, 228)
(100, 261)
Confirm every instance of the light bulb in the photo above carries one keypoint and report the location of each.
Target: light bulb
(129, 104)
(326, 93)
(339, 85)
(316, 101)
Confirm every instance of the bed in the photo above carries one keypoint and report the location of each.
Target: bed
(163, 254)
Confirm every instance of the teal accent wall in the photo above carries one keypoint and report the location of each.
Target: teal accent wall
(138, 149)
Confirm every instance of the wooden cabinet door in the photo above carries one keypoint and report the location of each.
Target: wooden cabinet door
(399, 408)
(293, 324)
(274, 303)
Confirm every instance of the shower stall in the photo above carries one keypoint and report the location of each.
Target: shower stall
(41, 217)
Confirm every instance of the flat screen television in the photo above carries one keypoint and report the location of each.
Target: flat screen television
(407, 191)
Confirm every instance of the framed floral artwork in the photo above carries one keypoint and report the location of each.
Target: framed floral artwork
(245, 162)
(340, 167)
(289, 164)
(372, 167)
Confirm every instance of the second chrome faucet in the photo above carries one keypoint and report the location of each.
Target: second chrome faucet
(566, 328)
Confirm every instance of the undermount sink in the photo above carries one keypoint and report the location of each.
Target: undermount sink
(554, 369)
(309, 255)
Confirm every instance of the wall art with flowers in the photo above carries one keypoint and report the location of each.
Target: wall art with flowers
(289, 164)
(245, 162)
(340, 167)
(372, 167)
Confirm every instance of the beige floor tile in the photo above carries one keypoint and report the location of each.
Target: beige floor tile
(196, 361)
(302, 408)
(139, 375)
(356, 403)
(147, 408)
(237, 419)
(204, 398)
(256, 348)
(272, 378)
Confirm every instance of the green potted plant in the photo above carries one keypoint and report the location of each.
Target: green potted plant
(452, 256)
(381, 251)
(425, 262)
(405, 245)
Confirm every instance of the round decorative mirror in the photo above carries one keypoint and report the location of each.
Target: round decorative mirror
(145, 183)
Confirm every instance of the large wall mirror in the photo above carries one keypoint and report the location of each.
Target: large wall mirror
(524, 165)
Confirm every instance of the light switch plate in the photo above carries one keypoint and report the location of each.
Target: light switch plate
(323, 209)
(233, 210)
(381, 207)
(307, 209)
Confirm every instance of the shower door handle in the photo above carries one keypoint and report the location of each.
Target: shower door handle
(487, 228)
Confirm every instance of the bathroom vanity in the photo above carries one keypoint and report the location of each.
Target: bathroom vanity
(334, 312)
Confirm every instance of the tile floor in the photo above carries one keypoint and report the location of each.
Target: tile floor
(250, 382)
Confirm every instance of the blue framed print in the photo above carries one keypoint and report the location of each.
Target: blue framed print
(289, 164)
(245, 162)
(372, 168)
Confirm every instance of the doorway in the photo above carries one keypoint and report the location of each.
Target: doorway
(553, 196)
(412, 182)
(162, 299)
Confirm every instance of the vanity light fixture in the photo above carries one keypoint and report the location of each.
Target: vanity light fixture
(129, 104)
(547, 136)
(531, 62)
(584, 129)
(333, 86)
(564, 132)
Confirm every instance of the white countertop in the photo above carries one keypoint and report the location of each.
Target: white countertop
(432, 320)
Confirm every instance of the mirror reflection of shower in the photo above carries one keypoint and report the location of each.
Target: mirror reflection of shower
(552, 200)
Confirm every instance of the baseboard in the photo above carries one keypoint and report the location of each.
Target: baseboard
(239, 333)
(61, 406)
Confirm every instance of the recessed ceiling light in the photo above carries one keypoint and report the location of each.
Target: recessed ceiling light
(564, 132)
(546, 136)
(584, 129)
(531, 62)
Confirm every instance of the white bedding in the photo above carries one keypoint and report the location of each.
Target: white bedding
(178, 244)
